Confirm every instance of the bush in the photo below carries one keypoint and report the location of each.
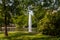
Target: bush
(50, 24)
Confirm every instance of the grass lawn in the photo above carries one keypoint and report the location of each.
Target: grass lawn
(26, 36)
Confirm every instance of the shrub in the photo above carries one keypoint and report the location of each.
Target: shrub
(50, 24)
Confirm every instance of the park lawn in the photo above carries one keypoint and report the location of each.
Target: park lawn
(26, 36)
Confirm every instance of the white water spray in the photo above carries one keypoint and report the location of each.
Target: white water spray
(30, 20)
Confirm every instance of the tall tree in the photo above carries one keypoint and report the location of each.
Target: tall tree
(8, 9)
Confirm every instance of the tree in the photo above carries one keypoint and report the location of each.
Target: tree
(7, 7)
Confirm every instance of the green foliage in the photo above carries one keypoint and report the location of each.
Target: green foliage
(50, 24)
(20, 21)
(17, 14)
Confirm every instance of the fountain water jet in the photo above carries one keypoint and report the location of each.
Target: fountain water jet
(30, 20)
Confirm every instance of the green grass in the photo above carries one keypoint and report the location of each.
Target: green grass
(26, 36)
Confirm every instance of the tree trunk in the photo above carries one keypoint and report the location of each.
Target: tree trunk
(5, 12)
(6, 32)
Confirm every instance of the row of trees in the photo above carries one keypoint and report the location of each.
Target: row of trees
(46, 14)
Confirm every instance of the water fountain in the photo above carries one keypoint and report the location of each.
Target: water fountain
(30, 19)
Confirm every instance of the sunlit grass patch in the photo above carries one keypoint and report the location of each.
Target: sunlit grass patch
(26, 36)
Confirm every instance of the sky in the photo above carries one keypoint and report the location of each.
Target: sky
(0, 1)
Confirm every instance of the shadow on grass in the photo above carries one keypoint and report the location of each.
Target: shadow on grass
(32, 38)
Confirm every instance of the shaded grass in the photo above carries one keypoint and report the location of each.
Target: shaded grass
(26, 36)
